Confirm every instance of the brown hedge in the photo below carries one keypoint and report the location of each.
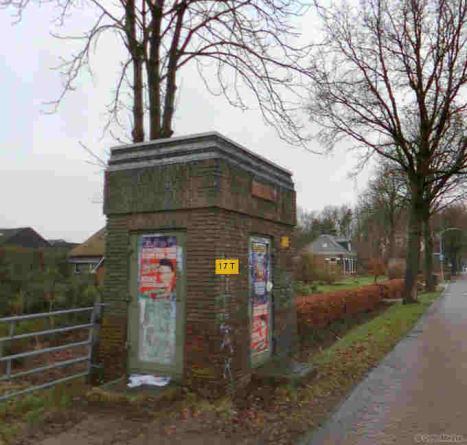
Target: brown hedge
(319, 310)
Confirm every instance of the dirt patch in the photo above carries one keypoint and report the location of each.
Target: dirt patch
(123, 423)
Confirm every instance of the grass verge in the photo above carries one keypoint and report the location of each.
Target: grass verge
(348, 283)
(345, 363)
(344, 284)
(20, 414)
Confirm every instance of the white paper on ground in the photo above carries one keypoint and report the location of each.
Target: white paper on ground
(136, 380)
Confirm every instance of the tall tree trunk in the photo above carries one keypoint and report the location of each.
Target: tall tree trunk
(137, 62)
(391, 237)
(171, 85)
(391, 232)
(138, 106)
(413, 245)
(154, 102)
(153, 72)
(428, 240)
(455, 262)
(391, 244)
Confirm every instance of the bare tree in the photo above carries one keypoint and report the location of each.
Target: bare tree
(391, 75)
(245, 50)
(383, 203)
(331, 220)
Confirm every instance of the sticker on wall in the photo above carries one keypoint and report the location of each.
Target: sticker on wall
(158, 256)
(227, 266)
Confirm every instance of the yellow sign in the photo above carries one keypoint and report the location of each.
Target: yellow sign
(227, 266)
(285, 242)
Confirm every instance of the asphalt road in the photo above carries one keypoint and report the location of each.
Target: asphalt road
(418, 394)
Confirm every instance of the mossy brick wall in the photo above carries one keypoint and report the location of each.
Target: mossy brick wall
(166, 187)
(209, 183)
(211, 233)
(210, 200)
(233, 241)
(113, 335)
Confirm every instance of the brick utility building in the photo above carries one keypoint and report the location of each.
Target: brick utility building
(174, 207)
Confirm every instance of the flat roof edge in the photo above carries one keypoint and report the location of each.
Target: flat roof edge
(197, 136)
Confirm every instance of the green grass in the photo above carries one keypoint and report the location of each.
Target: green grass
(348, 283)
(21, 412)
(377, 336)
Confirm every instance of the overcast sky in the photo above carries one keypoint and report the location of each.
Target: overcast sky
(45, 179)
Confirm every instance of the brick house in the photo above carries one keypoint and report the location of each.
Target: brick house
(22, 237)
(334, 252)
(88, 257)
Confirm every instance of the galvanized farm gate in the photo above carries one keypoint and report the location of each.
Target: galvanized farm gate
(90, 325)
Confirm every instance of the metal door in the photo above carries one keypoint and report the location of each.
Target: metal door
(260, 300)
(156, 311)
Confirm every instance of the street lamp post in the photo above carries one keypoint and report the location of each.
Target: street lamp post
(441, 255)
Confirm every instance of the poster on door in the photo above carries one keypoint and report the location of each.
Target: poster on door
(259, 270)
(260, 328)
(157, 266)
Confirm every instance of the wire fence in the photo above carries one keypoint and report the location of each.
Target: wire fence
(92, 316)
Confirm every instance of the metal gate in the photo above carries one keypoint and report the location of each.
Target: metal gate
(89, 325)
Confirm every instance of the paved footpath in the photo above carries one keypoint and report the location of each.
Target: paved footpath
(418, 394)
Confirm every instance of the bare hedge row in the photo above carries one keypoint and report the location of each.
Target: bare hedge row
(319, 310)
